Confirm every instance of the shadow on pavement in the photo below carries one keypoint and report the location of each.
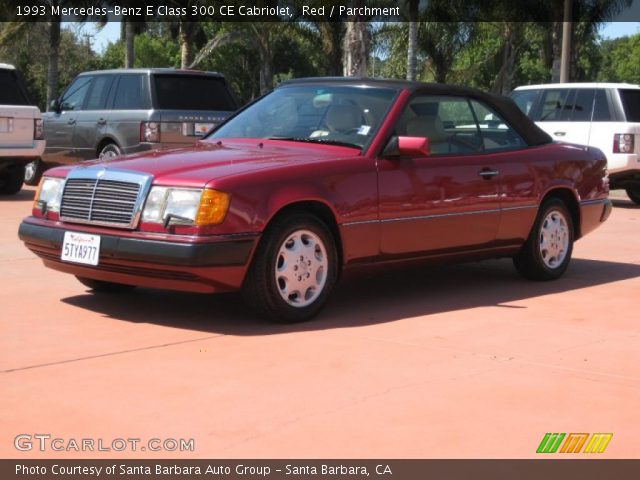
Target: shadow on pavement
(623, 203)
(22, 196)
(383, 297)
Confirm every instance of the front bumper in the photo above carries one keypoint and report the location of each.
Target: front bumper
(219, 264)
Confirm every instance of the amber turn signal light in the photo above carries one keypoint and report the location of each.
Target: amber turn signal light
(212, 208)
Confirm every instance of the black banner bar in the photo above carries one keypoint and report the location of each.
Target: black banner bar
(542, 469)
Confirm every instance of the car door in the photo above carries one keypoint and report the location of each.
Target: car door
(59, 125)
(445, 201)
(91, 121)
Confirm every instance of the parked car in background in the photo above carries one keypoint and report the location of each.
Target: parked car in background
(603, 115)
(21, 137)
(318, 177)
(104, 114)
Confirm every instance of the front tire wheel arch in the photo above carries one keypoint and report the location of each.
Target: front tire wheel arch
(261, 289)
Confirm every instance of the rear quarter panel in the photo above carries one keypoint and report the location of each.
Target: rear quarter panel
(533, 173)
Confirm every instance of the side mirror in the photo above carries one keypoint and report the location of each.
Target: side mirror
(55, 105)
(407, 147)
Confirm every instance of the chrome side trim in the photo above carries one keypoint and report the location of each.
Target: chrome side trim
(441, 215)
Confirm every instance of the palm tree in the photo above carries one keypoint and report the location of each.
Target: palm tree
(412, 48)
(356, 44)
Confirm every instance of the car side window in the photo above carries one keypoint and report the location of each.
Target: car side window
(448, 123)
(582, 105)
(525, 99)
(496, 133)
(98, 93)
(601, 110)
(74, 96)
(130, 93)
(553, 104)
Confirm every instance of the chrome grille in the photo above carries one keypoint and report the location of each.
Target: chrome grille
(102, 200)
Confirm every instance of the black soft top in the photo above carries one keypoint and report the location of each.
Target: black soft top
(504, 106)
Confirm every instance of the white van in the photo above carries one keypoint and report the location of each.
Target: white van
(602, 115)
(21, 133)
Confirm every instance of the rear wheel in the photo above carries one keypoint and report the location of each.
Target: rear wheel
(11, 179)
(293, 271)
(634, 194)
(109, 151)
(547, 252)
(102, 286)
(33, 172)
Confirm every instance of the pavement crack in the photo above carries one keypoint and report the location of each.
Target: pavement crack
(111, 354)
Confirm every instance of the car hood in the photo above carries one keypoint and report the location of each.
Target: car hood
(206, 161)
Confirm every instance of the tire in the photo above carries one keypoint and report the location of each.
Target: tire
(109, 151)
(634, 194)
(290, 248)
(33, 172)
(547, 252)
(104, 287)
(11, 179)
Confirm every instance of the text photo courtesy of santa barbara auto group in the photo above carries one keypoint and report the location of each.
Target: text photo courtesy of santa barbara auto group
(318, 239)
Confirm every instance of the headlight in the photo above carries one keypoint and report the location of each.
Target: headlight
(185, 206)
(49, 194)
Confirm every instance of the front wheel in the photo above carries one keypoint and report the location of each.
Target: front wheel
(33, 172)
(110, 151)
(103, 286)
(634, 194)
(293, 271)
(547, 252)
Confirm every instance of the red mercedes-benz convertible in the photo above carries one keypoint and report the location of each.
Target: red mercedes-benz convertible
(320, 176)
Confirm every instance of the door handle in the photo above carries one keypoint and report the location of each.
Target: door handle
(71, 121)
(559, 134)
(488, 173)
(101, 122)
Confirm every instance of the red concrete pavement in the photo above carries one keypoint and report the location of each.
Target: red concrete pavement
(459, 361)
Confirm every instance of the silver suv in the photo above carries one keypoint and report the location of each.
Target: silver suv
(20, 130)
(104, 114)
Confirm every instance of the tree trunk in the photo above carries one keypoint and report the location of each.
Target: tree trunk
(262, 33)
(129, 38)
(556, 51)
(511, 40)
(186, 48)
(54, 54)
(413, 40)
(356, 49)
(266, 75)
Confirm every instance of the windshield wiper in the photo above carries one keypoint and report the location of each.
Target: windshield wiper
(318, 140)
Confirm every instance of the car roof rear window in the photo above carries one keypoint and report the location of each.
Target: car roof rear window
(631, 104)
(10, 91)
(191, 92)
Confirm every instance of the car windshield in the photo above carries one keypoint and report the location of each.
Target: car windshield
(338, 115)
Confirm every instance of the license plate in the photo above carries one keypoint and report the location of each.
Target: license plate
(80, 248)
(200, 129)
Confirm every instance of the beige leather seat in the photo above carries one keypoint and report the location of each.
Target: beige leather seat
(343, 118)
(427, 126)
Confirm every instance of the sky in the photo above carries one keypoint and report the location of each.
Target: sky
(111, 32)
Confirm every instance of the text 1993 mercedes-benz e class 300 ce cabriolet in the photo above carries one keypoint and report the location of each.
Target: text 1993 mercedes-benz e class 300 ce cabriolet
(319, 176)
